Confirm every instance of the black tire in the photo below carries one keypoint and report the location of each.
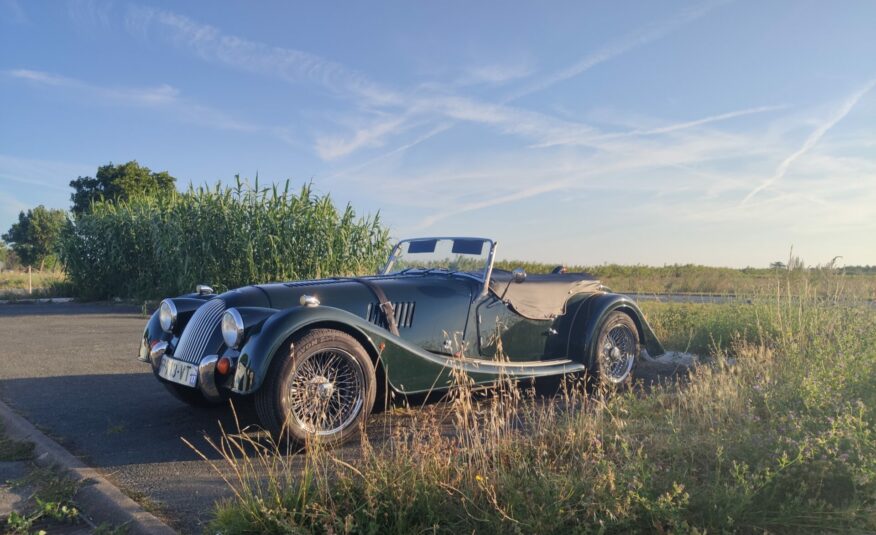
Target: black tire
(291, 406)
(190, 396)
(616, 351)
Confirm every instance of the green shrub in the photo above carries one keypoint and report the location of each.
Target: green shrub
(148, 247)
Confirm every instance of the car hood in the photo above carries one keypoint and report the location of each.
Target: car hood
(351, 295)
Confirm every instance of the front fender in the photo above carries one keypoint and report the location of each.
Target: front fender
(259, 350)
(591, 314)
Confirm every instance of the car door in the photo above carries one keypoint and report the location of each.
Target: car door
(521, 339)
(431, 311)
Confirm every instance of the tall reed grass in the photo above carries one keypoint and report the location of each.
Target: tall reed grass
(775, 434)
(226, 237)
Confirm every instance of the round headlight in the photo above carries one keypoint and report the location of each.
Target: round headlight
(167, 315)
(232, 328)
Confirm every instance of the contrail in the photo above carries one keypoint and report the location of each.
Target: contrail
(630, 41)
(812, 140)
(662, 129)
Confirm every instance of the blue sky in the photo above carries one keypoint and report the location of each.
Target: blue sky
(718, 133)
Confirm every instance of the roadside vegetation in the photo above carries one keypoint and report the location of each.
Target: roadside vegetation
(773, 432)
(50, 283)
(147, 247)
(50, 505)
(855, 281)
(131, 234)
(49, 493)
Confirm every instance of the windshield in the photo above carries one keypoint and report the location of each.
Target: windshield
(466, 255)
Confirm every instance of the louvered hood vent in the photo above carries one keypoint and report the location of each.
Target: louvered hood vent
(404, 314)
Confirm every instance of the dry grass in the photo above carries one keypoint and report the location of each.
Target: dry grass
(775, 434)
(14, 284)
(821, 280)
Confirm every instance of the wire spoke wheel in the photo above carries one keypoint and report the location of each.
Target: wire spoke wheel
(618, 348)
(326, 391)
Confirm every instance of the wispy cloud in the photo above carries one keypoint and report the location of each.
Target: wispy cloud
(637, 166)
(372, 135)
(403, 108)
(10, 207)
(545, 130)
(519, 195)
(637, 38)
(496, 73)
(41, 173)
(812, 140)
(292, 65)
(27, 182)
(162, 96)
(13, 11)
(571, 139)
(89, 15)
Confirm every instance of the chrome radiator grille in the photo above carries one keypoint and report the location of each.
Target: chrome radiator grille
(197, 333)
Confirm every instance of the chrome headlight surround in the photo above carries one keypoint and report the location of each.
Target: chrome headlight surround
(232, 328)
(167, 315)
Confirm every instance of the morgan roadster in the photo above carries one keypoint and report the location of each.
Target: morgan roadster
(312, 355)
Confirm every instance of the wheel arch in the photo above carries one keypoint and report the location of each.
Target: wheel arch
(279, 331)
(592, 313)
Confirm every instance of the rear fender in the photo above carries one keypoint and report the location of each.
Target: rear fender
(591, 314)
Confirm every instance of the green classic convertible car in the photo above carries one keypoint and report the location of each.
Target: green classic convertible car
(313, 355)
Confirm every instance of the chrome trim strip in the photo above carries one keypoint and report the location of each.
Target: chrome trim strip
(155, 354)
(207, 378)
(526, 363)
(143, 354)
(489, 271)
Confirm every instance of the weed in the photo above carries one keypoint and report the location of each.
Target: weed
(774, 434)
(13, 450)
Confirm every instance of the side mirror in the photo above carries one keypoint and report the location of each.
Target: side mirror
(519, 275)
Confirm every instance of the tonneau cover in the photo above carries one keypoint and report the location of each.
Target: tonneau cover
(541, 297)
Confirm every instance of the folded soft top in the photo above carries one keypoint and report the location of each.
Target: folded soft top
(541, 297)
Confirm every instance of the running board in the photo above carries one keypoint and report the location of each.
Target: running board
(510, 369)
(521, 363)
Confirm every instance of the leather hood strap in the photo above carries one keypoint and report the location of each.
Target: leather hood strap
(385, 305)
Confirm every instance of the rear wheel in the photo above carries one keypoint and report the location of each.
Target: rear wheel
(617, 348)
(322, 387)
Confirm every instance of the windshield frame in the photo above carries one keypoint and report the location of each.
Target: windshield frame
(485, 275)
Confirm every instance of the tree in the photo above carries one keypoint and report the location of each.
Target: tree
(34, 239)
(118, 182)
(8, 260)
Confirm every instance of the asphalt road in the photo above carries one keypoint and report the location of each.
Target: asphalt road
(71, 370)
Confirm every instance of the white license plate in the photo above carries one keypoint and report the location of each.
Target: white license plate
(178, 371)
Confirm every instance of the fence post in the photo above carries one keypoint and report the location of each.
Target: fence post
(29, 280)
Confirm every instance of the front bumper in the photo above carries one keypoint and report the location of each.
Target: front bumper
(206, 368)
